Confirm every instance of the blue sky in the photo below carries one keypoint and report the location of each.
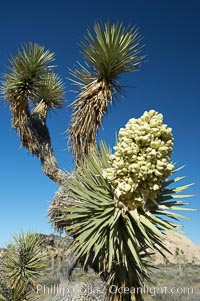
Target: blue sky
(167, 82)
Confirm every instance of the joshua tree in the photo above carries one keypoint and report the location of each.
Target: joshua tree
(22, 264)
(112, 204)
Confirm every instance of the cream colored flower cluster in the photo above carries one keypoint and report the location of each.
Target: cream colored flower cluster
(141, 160)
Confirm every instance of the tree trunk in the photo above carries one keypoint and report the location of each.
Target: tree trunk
(34, 135)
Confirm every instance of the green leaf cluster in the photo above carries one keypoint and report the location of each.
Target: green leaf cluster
(30, 74)
(118, 238)
(22, 264)
(112, 49)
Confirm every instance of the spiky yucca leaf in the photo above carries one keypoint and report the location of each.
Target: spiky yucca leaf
(26, 68)
(109, 50)
(106, 230)
(97, 227)
(23, 263)
(51, 91)
(112, 49)
(30, 73)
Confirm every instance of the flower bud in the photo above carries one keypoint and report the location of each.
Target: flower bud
(141, 161)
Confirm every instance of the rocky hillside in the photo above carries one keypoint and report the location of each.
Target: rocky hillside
(182, 248)
(179, 269)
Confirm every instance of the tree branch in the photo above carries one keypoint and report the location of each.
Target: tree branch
(34, 135)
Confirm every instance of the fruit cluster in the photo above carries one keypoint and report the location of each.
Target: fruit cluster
(141, 160)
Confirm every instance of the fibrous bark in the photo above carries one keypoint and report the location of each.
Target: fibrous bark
(34, 135)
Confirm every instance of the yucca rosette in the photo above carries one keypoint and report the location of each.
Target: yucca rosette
(117, 229)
